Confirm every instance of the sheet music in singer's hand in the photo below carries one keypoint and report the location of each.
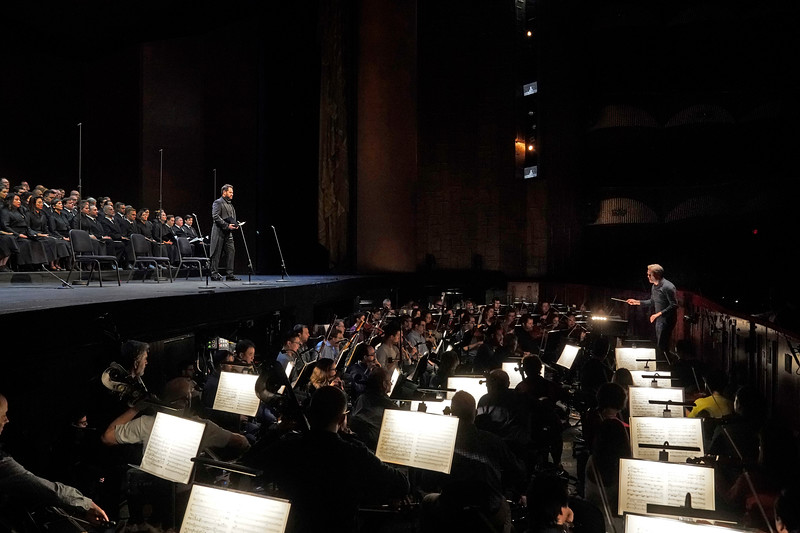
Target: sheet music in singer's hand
(643, 482)
(236, 393)
(173, 443)
(223, 511)
(676, 431)
(420, 440)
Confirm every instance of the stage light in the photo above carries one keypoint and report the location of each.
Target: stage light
(531, 148)
(529, 33)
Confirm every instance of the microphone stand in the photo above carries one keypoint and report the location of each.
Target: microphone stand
(283, 263)
(203, 245)
(80, 193)
(250, 271)
(161, 210)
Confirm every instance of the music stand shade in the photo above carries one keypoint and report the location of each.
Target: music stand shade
(475, 385)
(636, 523)
(513, 369)
(433, 407)
(627, 358)
(664, 379)
(568, 355)
(228, 511)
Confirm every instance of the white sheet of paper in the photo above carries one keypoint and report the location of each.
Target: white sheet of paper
(395, 377)
(173, 443)
(639, 398)
(470, 384)
(643, 482)
(289, 368)
(236, 393)
(626, 358)
(635, 523)
(415, 439)
(664, 378)
(224, 511)
(435, 408)
(676, 431)
(512, 368)
(568, 354)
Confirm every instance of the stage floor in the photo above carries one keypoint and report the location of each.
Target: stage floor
(39, 292)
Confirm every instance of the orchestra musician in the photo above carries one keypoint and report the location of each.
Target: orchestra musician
(328, 348)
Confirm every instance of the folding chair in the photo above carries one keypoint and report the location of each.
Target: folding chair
(141, 256)
(185, 255)
(83, 252)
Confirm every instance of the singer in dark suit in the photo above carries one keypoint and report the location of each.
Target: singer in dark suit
(224, 217)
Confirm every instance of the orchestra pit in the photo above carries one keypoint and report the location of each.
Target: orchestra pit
(399, 266)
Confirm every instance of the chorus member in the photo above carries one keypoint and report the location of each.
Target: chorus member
(177, 227)
(112, 230)
(119, 212)
(27, 490)
(14, 222)
(143, 224)
(223, 215)
(664, 302)
(38, 222)
(164, 245)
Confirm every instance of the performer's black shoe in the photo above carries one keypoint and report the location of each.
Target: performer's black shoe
(216, 277)
(231, 277)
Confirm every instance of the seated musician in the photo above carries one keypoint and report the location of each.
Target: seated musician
(245, 356)
(130, 428)
(541, 396)
(602, 469)
(20, 488)
(367, 415)
(715, 405)
(546, 314)
(325, 501)
(510, 322)
(549, 505)
(529, 336)
(288, 354)
(307, 354)
(489, 355)
(329, 348)
(388, 353)
(418, 338)
(503, 412)
(787, 511)
(358, 372)
(481, 464)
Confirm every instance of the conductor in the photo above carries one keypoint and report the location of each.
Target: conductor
(665, 307)
(224, 217)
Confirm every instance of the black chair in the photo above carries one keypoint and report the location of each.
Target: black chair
(141, 256)
(185, 256)
(83, 252)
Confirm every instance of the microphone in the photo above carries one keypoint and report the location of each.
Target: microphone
(80, 123)
(194, 216)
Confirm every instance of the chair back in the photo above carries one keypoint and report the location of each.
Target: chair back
(80, 241)
(184, 247)
(140, 245)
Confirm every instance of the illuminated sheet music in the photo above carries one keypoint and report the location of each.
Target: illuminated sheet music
(512, 368)
(639, 398)
(677, 431)
(173, 443)
(643, 482)
(635, 523)
(568, 354)
(663, 378)
(224, 511)
(420, 440)
(434, 408)
(237, 394)
(470, 384)
(626, 358)
(394, 378)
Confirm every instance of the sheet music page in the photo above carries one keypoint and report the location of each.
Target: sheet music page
(568, 354)
(289, 368)
(394, 378)
(627, 358)
(643, 482)
(639, 397)
(514, 375)
(173, 443)
(415, 439)
(677, 431)
(222, 511)
(635, 523)
(470, 384)
(664, 378)
(434, 407)
(237, 394)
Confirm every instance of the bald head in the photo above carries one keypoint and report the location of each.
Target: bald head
(3, 413)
